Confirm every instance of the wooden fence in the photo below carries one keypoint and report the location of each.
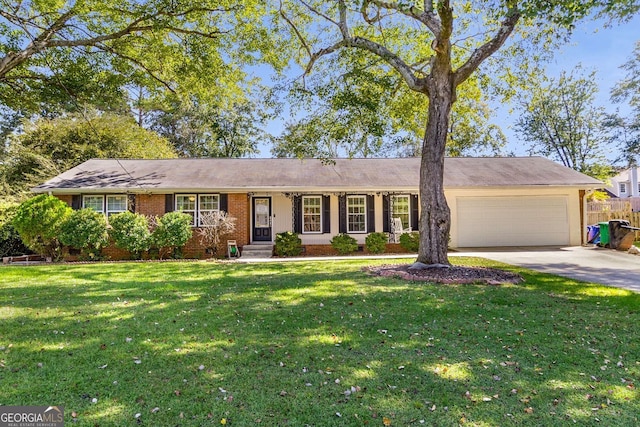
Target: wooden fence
(615, 205)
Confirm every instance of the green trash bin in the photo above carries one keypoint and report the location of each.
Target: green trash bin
(604, 234)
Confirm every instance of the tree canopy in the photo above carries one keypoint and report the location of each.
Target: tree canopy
(560, 121)
(48, 147)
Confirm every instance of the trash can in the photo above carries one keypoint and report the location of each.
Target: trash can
(604, 234)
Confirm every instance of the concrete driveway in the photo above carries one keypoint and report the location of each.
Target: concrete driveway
(591, 264)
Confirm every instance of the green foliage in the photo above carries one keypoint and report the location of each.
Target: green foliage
(559, 121)
(410, 241)
(172, 231)
(288, 244)
(85, 229)
(10, 241)
(96, 52)
(130, 231)
(200, 129)
(627, 129)
(344, 244)
(38, 220)
(376, 243)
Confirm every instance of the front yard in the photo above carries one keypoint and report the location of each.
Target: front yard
(314, 343)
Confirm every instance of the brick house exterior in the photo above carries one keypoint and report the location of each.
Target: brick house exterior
(527, 201)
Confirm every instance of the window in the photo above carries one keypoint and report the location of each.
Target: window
(116, 205)
(623, 187)
(186, 203)
(312, 214)
(93, 202)
(108, 205)
(356, 214)
(197, 204)
(207, 203)
(401, 208)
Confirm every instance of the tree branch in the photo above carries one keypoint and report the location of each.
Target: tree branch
(487, 49)
(426, 16)
(295, 30)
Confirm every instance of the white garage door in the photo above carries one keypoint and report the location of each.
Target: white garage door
(512, 221)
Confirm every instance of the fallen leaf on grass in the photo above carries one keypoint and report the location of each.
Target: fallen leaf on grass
(386, 421)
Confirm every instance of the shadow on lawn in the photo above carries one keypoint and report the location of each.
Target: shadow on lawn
(289, 341)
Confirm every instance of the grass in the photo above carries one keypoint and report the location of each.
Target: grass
(314, 343)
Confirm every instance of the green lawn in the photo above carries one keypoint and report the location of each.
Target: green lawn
(314, 343)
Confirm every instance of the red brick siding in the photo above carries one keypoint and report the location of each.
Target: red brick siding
(150, 204)
(65, 198)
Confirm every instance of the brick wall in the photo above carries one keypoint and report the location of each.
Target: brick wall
(65, 198)
(150, 204)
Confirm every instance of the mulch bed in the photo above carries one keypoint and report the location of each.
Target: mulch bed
(449, 275)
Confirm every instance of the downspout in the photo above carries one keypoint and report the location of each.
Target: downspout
(584, 195)
(633, 181)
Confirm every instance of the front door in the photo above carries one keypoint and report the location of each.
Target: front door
(261, 219)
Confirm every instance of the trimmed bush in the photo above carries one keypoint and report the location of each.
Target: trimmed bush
(10, 242)
(85, 229)
(38, 221)
(130, 231)
(344, 244)
(410, 241)
(288, 244)
(172, 232)
(376, 243)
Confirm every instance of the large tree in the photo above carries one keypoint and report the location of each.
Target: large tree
(61, 55)
(559, 120)
(627, 129)
(418, 40)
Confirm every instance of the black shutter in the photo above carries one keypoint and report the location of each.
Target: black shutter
(224, 202)
(297, 214)
(386, 221)
(415, 216)
(169, 203)
(371, 215)
(131, 202)
(76, 201)
(342, 212)
(326, 214)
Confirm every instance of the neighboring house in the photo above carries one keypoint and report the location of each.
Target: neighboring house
(514, 201)
(625, 184)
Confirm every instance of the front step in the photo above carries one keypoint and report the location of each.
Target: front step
(257, 251)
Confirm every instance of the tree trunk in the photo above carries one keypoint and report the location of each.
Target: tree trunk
(435, 217)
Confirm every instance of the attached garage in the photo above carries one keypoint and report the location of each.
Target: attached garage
(513, 221)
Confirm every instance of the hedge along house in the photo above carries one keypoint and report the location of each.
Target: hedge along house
(515, 201)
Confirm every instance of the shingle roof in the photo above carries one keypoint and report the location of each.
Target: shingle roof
(113, 175)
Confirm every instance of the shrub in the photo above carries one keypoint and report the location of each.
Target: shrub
(38, 221)
(214, 226)
(85, 229)
(344, 244)
(10, 241)
(410, 241)
(130, 231)
(376, 243)
(172, 231)
(288, 244)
